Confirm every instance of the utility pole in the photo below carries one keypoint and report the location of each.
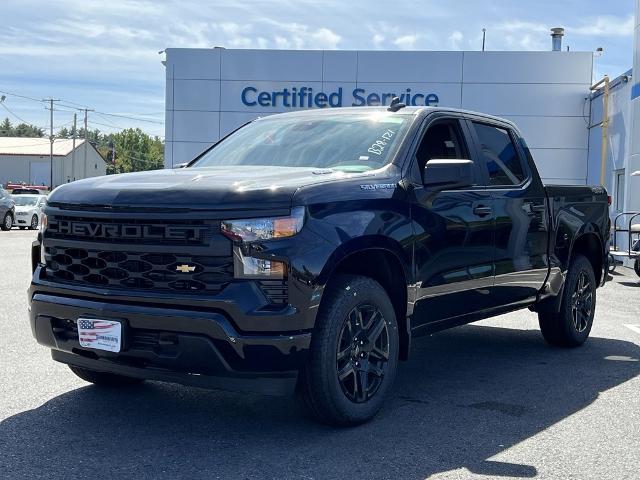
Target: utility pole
(484, 37)
(73, 151)
(51, 100)
(86, 139)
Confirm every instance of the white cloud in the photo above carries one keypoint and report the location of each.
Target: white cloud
(406, 42)
(377, 40)
(609, 26)
(455, 40)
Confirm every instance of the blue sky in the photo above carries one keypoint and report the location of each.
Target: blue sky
(105, 54)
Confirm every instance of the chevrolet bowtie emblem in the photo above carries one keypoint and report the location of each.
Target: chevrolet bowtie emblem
(185, 268)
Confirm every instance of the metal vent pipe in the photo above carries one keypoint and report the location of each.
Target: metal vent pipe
(556, 38)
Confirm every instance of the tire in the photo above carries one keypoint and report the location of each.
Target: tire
(34, 223)
(612, 263)
(636, 266)
(104, 379)
(7, 222)
(356, 333)
(571, 325)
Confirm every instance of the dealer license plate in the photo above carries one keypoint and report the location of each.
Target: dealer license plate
(100, 334)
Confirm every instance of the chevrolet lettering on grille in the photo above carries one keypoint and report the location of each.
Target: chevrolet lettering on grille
(106, 230)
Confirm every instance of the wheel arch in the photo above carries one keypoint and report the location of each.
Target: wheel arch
(590, 246)
(386, 264)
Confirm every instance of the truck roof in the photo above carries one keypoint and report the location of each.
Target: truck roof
(409, 110)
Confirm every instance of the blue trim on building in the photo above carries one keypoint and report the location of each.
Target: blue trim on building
(635, 91)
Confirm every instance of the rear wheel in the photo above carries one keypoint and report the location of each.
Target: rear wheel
(34, 222)
(636, 266)
(571, 325)
(354, 353)
(104, 379)
(7, 222)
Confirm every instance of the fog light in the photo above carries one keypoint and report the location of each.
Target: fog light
(250, 267)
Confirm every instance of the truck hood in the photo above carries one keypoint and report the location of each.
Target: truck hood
(214, 188)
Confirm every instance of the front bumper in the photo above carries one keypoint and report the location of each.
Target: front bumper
(181, 345)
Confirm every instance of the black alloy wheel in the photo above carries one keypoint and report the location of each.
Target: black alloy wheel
(567, 322)
(582, 302)
(353, 356)
(34, 222)
(363, 353)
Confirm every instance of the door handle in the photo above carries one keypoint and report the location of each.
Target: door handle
(538, 207)
(482, 211)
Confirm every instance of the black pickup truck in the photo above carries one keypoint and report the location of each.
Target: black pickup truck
(302, 253)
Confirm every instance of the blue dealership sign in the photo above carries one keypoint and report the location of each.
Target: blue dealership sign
(306, 97)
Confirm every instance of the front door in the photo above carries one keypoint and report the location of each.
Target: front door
(453, 247)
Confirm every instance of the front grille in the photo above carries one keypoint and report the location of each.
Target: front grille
(139, 270)
(175, 232)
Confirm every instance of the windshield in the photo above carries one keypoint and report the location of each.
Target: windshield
(25, 201)
(350, 142)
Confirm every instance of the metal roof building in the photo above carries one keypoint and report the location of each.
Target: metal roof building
(25, 159)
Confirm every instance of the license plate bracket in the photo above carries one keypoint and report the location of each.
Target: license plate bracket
(100, 334)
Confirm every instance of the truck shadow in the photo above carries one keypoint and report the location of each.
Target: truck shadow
(465, 396)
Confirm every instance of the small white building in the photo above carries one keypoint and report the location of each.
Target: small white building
(24, 159)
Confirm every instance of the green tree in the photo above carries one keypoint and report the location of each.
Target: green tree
(132, 150)
(6, 128)
(26, 130)
(21, 130)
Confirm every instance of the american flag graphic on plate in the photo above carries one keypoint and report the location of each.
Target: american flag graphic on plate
(100, 334)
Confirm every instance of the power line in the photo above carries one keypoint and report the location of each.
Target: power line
(14, 114)
(131, 118)
(21, 96)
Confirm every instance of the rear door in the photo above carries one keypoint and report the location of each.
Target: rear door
(521, 218)
(453, 243)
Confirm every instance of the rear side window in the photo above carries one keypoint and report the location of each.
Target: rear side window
(501, 157)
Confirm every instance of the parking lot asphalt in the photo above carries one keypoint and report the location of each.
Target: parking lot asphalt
(489, 399)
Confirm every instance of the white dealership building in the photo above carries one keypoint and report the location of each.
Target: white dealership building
(210, 92)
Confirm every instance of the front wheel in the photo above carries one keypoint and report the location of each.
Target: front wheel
(34, 223)
(636, 266)
(104, 379)
(571, 324)
(7, 222)
(354, 353)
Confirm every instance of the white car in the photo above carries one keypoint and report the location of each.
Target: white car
(28, 210)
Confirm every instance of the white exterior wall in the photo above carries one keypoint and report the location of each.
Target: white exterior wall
(543, 92)
(633, 159)
(35, 169)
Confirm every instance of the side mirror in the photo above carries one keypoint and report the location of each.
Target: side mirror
(446, 174)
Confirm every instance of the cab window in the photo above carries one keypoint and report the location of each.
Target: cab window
(503, 164)
(443, 140)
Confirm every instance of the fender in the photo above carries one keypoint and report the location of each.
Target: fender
(362, 244)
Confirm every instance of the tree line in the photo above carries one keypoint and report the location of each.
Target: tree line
(130, 150)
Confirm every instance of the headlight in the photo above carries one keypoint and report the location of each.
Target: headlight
(264, 228)
(256, 229)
